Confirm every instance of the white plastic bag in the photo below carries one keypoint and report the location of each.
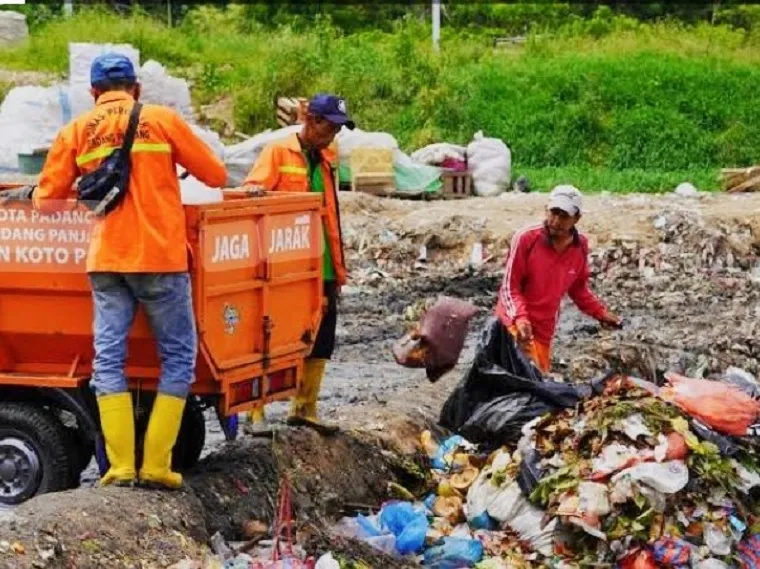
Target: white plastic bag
(490, 162)
(510, 507)
(434, 154)
(327, 562)
(194, 191)
(666, 477)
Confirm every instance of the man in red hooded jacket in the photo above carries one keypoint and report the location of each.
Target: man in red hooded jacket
(545, 262)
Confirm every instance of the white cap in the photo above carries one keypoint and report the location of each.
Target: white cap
(567, 198)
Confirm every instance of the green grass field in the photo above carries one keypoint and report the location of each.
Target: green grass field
(607, 103)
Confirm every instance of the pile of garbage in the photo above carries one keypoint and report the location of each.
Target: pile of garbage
(634, 475)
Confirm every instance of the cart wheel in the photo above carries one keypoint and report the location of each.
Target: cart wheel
(191, 438)
(33, 453)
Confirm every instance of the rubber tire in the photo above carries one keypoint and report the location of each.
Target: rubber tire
(191, 438)
(45, 434)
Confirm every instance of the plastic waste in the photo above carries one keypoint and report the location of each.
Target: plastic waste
(440, 338)
(436, 154)
(638, 559)
(454, 553)
(748, 551)
(748, 478)
(490, 162)
(407, 523)
(327, 562)
(445, 453)
(241, 561)
(743, 380)
(711, 563)
(634, 427)
(718, 542)
(666, 477)
(502, 391)
(672, 552)
(723, 407)
(512, 508)
(366, 529)
(726, 446)
(530, 473)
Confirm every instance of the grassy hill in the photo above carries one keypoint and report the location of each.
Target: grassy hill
(607, 103)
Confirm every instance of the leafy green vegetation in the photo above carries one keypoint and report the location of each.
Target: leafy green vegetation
(606, 102)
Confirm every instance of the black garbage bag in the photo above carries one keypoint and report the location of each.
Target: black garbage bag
(502, 391)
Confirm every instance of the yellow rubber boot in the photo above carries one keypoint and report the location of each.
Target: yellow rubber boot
(257, 423)
(160, 437)
(303, 409)
(117, 420)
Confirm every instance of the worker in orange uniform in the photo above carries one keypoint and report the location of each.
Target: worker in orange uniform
(304, 162)
(137, 254)
(546, 262)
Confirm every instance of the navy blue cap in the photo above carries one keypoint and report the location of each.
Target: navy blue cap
(332, 108)
(111, 67)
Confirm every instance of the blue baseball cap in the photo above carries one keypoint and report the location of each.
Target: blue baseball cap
(111, 67)
(332, 108)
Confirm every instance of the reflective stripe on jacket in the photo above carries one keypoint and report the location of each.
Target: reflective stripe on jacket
(146, 232)
(282, 166)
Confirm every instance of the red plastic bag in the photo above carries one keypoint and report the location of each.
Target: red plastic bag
(720, 406)
(638, 559)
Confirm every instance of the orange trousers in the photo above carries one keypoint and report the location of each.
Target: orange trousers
(539, 352)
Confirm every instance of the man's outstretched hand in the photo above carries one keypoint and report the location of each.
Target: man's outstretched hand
(524, 331)
(15, 195)
(611, 321)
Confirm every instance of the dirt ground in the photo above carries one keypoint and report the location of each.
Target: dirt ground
(683, 272)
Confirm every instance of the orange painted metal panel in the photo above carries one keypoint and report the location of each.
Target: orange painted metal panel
(255, 264)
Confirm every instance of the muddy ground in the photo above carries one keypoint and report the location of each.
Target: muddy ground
(683, 272)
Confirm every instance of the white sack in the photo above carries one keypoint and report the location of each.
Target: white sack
(13, 28)
(347, 140)
(193, 191)
(240, 158)
(160, 88)
(490, 162)
(30, 117)
(434, 154)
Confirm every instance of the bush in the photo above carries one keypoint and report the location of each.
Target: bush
(597, 96)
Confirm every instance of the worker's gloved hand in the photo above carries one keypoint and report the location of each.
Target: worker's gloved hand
(524, 331)
(611, 321)
(254, 190)
(22, 194)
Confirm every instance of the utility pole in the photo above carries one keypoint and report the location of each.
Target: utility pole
(436, 24)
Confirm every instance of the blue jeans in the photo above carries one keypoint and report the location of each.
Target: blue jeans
(168, 303)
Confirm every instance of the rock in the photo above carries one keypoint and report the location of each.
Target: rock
(13, 28)
(686, 190)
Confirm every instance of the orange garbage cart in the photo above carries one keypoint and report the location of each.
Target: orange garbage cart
(255, 264)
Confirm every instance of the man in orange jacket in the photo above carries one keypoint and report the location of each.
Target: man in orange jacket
(304, 162)
(137, 254)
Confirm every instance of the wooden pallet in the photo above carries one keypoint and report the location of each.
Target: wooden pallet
(456, 185)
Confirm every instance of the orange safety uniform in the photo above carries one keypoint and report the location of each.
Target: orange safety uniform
(282, 166)
(146, 232)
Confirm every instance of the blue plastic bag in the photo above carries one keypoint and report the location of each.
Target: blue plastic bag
(407, 523)
(454, 553)
(449, 445)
